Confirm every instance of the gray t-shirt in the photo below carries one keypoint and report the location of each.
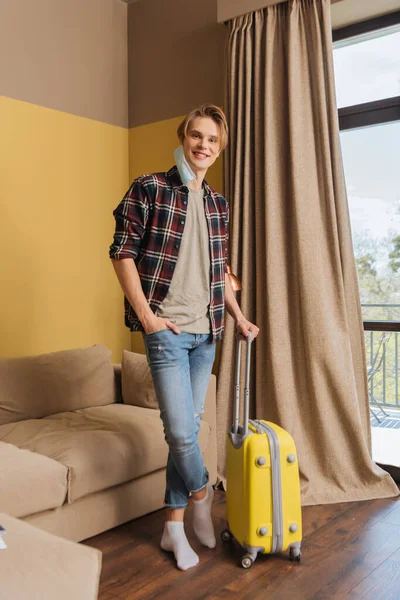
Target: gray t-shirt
(188, 298)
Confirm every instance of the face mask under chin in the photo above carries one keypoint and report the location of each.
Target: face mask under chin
(185, 171)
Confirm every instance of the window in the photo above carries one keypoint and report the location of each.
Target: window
(368, 67)
(371, 157)
(367, 78)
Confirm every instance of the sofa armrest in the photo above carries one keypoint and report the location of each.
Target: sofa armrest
(210, 417)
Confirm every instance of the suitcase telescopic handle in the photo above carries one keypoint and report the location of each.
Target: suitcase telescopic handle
(236, 402)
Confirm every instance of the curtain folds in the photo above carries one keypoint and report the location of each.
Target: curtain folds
(291, 247)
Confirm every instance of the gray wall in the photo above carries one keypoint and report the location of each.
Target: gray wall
(70, 55)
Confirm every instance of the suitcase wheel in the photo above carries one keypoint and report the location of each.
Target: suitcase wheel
(295, 554)
(247, 561)
(226, 535)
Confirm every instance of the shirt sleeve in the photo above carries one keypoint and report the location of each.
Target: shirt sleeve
(226, 242)
(131, 216)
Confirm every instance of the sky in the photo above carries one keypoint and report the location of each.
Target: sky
(367, 71)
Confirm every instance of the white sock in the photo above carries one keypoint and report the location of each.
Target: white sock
(174, 540)
(202, 521)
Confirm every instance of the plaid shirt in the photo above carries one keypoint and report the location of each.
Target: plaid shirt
(150, 221)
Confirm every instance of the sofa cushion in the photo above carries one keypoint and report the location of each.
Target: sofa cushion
(30, 482)
(137, 382)
(37, 386)
(101, 446)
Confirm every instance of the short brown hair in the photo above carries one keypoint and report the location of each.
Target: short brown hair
(205, 110)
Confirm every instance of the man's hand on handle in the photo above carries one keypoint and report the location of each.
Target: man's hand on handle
(243, 327)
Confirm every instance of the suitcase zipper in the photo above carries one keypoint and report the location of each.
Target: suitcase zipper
(277, 526)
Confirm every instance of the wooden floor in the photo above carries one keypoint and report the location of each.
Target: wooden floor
(349, 551)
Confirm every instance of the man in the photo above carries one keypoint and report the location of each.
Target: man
(175, 228)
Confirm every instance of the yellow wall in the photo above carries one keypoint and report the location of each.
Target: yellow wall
(151, 149)
(61, 176)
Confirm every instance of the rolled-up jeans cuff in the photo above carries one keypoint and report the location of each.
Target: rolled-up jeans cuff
(200, 488)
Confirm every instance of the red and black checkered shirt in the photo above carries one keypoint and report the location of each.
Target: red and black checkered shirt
(150, 221)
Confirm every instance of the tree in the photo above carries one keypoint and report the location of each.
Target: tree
(366, 266)
(378, 268)
(394, 255)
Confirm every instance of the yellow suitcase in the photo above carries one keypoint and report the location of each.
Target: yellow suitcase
(263, 506)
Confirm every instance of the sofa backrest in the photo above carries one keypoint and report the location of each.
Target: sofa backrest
(33, 387)
(136, 381)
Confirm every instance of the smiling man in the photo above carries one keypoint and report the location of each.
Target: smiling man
(170, 256)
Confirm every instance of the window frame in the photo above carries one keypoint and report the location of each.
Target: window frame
(377, 112)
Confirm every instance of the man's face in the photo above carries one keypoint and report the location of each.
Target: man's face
(201, 144)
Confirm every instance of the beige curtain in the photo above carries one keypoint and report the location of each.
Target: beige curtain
(291, 247)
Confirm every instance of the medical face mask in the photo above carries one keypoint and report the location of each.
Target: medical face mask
(184, 169)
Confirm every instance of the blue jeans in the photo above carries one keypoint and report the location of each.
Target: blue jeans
(181, 367)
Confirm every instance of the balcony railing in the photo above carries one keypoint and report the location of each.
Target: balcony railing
(382, 344)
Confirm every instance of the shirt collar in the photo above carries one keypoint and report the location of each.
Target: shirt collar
(174, 176)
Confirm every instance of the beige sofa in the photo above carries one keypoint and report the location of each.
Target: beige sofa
(82, 447)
